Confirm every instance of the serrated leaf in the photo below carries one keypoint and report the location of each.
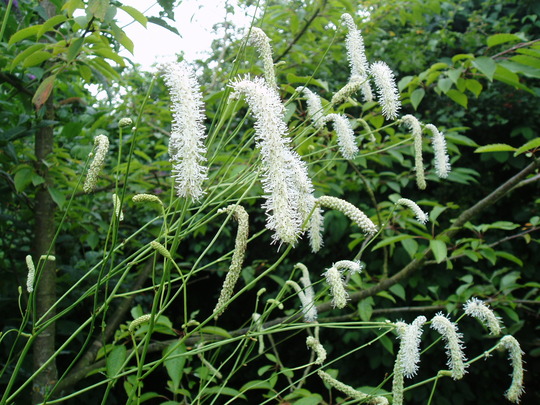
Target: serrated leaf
(74, 49)
(24, 33)
(58, 197)
(438, 247)
(175, 362)
(136, 14)
(458, 97)
(498, 39)
(115, 360)
(23, 178)
(24, 54)
(454, 75)
(474, 86)
(416, 97)
(532, 144)
(98, 8)
(36, 58)
(485, 65)
(444, 84)
(43, 91)
(50, 23)
(495, 147)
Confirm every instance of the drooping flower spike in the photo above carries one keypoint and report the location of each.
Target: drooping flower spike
(454, 344)
(354, 213)
(515, 355)
(101, 143)
(318, 348)
(421, 216)
(477, 309)
(350, 391)
(416, 132)
(186, 145)
(260, 40)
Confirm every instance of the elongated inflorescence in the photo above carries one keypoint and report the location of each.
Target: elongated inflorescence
(306, 295)
(31, 274)
(117, 206)
(453, 343)
(139, 321)
(515, 355)
(334, 278)
(350, 391)
(186, 145)
(101, 143)
(477, 309)
(315, 108)
(416, 132)
(387, 89)
(421, 216)
(442, 160)
(286, 183)
(345, 134)
(260, 40)
(237, 261)
(318, 348)
(150, 198)
(354, 214)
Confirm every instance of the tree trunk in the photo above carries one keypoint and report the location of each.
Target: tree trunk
(45, 291)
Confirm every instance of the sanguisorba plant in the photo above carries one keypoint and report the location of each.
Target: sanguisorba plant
(217, 177)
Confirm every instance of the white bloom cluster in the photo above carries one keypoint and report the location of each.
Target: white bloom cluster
(515, 355)
(260, 40)
(454, 344)
(318, 348)
(354, 214)
(357, 60)
(286, 182)
(386, 87)
(237, 260)
(345, 134)
(348, 265)
(335, 280)
(442, 160)
(117, 206)
(307, 295)
(421, 216)
(101, 142)
(416, 132)
(186, 146)
(315, 108)
(477, 309)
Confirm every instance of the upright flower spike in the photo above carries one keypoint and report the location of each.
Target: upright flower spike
(314, 107)
(477, 309)
(387, 89)
(117, 207)
(515, 355)
(454, 344)
(240, 246)
(101, 143)
(354, 214)
(260, 40)
(186, 145)
(442, 160)
(285, 179)
(409, 348)
(350, 391)
(416, 132)
(31, 274)
(334, 278)
(357, 60)
(421, 216)
(307, 295)
(345, 134)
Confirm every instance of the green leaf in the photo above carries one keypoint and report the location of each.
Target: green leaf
(485, 65)
(474, 86)
(162, 23)
(223, 391)
(85, 72)
(58, 197)
(24, 33)
(175, 362)
(391, 241)
(458, 97)
(98, 8)
(527, 60)
(495, 147)
(365, 309)
(504, 75)
(214, 330)
(109, 54)
(498, 39)
(23, 178)
(511, 257)
(397, 289)
(416, 97)
(532, 144)
(37, 58)
(454, 75)
(74, 49)
(136, 14)
(438, 247)
(43, 91)
(24, 54)
(115, 360)
(444, 84)
(51, 23)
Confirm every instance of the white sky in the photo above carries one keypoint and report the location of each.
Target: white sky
(193, 19)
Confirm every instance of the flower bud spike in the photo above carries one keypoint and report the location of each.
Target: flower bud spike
(416, 132)
(318, 348)
(334, 279)
(454, 344)
(354, 214)
(147, 198)
(237, 261)
(314, 107)
(442, 160)
(421, 216)
(345, 134)
(515, 355)
(350, 391)
(139, 321)
(260, 40)
(101, 143)
(477, 309)
(31, 274)
(117, 205)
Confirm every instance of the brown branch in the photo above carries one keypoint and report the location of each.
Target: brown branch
(518, 46)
